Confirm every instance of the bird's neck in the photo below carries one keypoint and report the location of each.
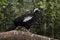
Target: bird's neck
(36, 13)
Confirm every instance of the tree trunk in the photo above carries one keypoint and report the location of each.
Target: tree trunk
(20, 35)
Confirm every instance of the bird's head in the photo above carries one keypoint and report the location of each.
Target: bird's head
(37, 10)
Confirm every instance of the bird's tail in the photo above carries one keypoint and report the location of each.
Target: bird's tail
(11, 28)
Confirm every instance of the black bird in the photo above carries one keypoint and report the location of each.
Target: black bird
(25, 20)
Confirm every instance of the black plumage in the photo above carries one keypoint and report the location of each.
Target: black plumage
(25, 20)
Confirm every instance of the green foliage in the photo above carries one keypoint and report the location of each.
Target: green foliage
(49, 18)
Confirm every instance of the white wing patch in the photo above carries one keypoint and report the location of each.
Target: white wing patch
(27, 18)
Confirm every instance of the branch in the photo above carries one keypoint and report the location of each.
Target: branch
(20, 35)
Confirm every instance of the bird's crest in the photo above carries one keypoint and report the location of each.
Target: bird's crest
(36, 9)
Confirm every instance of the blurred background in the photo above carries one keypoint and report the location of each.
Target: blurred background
(49, 19)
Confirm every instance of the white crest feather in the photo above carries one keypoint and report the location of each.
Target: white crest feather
(36, 9)
(27, 18)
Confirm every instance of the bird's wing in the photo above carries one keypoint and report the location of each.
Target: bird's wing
(27, 18)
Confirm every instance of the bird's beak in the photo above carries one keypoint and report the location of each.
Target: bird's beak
(39, 10)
